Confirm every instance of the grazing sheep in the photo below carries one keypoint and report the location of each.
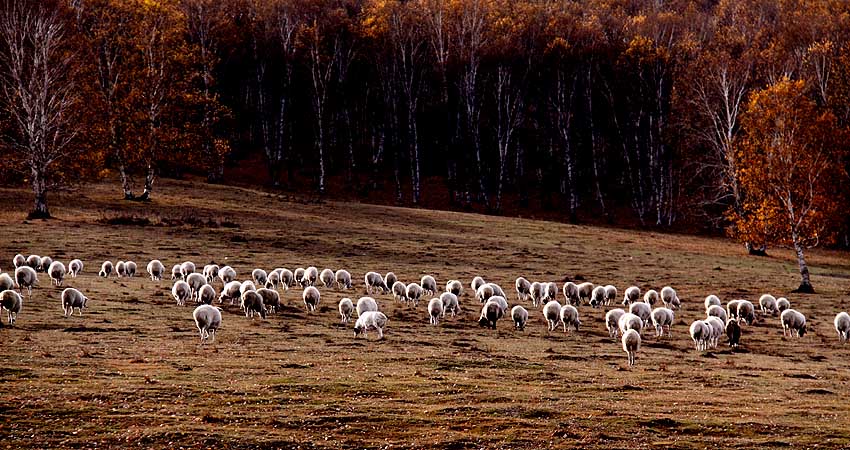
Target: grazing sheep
(390, 279)
(793, 322)
(767, 304)
(399, 291)
(206, 295)
(120, 269)
(46, 261)
(176, 273)
(598, 296)
(26, 278)
(346, 310)
(208, 320)
(19, 260)
(584, 292)
(413, 293)
(435, 310)
(523, 288)
(375, 281)
(570, 291)
(429, 284)
(477, 282)
(651, 297)
(502, 301)
(287, 279)
(491, 312)
(569, 317)
(610, 294)
(365, 304)
(642, 310)
(231, 291)
(155, 269)
(327, 277)
(311, 276)
(842, 326)
(612, 321)
(631, 295)
(56, 271)
(733, 332)
(181, 292)
(520, 317)
(6, 282)
(12, 302)
(450, 303)
(700, 333)
(298, 276)
(369, 321)
(105, 269)
(670, 298)
(662, 318)
(717, 311)
(273, 280)
(226, 274)
(211, 272)
(732, 309)
(746, 312)
(246, 286)
(252, 302)
(631, 345)
(271, 299)
(537, 292)
(712, 300)
(72, 298)
(343, 279)
(75, 267)
(455, 287)
(550, 291)
(130, 268)
(186, 268)
(311, 297)
(629, 321)
(259, 276)
(718, 327)
(497, 290)
(552, 314)
(484, 292)
(34, 262)
(782, 304)
(195, 282)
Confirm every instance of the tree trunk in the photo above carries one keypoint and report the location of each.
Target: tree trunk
(125, 182)
(805, 283)
(149, 179)
(39, 189)
(414, 152)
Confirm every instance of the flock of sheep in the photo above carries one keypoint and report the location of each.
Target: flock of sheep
(261, 295)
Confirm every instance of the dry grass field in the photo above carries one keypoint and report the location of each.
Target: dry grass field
(131, 373)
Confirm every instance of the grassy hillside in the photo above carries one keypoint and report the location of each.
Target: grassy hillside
(131, 373)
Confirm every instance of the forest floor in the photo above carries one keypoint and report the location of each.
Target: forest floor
(131, 372)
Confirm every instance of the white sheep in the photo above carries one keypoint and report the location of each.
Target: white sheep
(365, 304)
(598, 296)
(375, 281)
(523, 288)
(413, 293)
(208, 320)
(56, 271)
(311, 276)
(246, 286)
(6, 282)
(429, 284)
(842, 326)
(34, 262)
(346, 310)
(712, 300)
(746, 312)
(569, 317)
(782, 304)
(670, 298)
(502, 301)
(537, 292)
(700, 333)
(130, 269)
(26, 278)
(75, 267)
(287, 279)
(231, 291)
(793, 322)
(552, 314)
(435, 310)
(176, 273)
(259, 276)
(226, 274)
(629, 321)
(19, 260)
(12, 302)
(155, 269)
(717, 311)
(610, 294)
(298, 276)
(642, 310)
(252, 302)
(450, 303)
(390, 279)
(72, 298)
(484, 292)
(186, 268)
(732, 309)
(327, 277)
(650, 297)
(718, 327)
(369, 321)
(767, 304)
(271, 299)
(491, 312)
(211, 272)
(584, 292)
(550, 291)
(520, 317)
(612, 321)
(206, 294)
(120, 269)
(181, 292)
(105, 269)
(311, 297)
(631, 295)
(399, 291)
(343, 279)
(476, 283)
(195, 282)
(570, 291)
(455, 287)
(662, 318)
(46, 261)
(631, 344)
(273, 279)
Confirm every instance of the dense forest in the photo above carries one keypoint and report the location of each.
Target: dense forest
(715, 114)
